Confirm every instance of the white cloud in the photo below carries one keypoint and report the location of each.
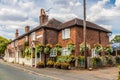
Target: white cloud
(7, 14)
(108, 27)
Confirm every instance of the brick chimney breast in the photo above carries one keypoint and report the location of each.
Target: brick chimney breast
(27, 28)
(43, 17)
(16, 33)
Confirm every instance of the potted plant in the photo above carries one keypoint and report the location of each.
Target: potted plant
(50, 63)
(65, 65)
(57, 65)
(40, 64)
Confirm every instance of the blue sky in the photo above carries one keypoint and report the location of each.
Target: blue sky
(16, 14)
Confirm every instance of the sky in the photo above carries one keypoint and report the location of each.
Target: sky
(16, 14)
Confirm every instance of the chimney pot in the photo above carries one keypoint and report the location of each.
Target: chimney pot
(27, 28)
(16, 34)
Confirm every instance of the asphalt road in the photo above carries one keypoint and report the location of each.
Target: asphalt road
(10, 73)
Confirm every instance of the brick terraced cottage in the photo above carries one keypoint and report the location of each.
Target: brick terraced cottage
(53, 31)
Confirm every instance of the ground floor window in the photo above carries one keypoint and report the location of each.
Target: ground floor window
(65, 52)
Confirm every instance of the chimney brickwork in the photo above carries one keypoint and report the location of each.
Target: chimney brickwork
(27, 28)
(16, 33)
(43, 17)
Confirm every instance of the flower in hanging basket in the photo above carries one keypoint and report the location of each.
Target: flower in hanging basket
(82, 47)
(40, 48)
(108, 49)
(71, 46)
(48, 48)
(98, 48)
(58, 49)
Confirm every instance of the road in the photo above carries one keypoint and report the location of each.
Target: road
(10, 73)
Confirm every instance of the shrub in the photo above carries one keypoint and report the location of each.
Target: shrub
(109, 60)
(57, 65)
(81, 60)
(96, 62)
(65, 65)
(118, 59)
(40, 64)
(50, 63)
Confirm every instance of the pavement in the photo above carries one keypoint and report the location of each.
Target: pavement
(110, 73)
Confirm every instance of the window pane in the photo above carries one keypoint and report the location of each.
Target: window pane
(67, 33)
(63, 35)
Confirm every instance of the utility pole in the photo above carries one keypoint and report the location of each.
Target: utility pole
(84, 32)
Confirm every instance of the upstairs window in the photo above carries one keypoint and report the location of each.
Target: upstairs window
(66, 33)
(33, 36)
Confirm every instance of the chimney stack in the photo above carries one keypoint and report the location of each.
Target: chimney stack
(16, 34)
(27, 28)
(43, 17)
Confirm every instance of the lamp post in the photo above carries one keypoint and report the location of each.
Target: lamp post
(84, 32)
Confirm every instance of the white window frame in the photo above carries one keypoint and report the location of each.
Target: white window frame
(33, 36)
(66, 33)
(65, 51)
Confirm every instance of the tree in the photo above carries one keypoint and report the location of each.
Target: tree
(3, 44)
(116, 39)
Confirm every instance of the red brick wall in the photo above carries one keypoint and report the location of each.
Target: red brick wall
(51, 36)
(76, 36)
(21, 41)
(40, 33)
(72, 38)
(104, 39)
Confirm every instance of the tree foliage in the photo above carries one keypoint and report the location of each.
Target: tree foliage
(116, 39)
(3, 44)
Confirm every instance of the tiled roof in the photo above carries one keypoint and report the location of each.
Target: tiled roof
(79, 22)
(57, 25)
(52, 23)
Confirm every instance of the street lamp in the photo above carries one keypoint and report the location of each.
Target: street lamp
(84, 32)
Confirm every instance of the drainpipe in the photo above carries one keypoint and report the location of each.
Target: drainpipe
(99, 37)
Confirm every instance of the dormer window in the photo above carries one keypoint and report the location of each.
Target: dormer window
(66, 33)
